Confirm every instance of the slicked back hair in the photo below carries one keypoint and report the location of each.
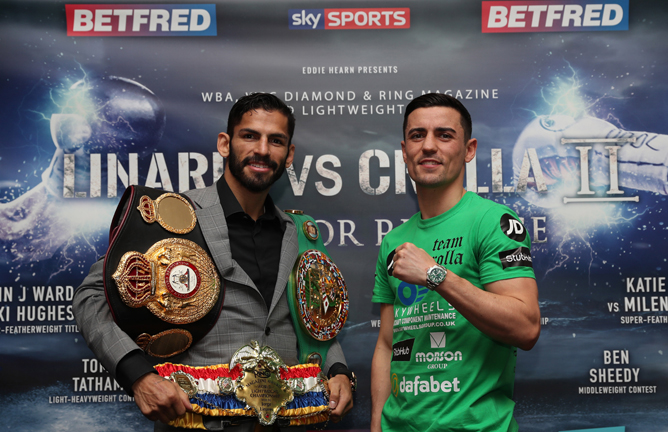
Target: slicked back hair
(254, 102)
(440, 100)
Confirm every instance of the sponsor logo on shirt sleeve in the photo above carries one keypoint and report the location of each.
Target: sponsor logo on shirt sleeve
(513, 228)
(520, 257)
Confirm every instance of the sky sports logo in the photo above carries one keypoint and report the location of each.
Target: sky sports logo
(554, 16)
(141, 19)
(349, 19)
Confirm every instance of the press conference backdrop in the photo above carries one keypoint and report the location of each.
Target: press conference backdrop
(569, 101)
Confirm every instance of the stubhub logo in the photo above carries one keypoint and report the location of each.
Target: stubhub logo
(141, 19)
(554, 16)
(348, 19)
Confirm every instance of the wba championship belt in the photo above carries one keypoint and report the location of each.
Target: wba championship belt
(161, 285)
(317, 293)
(256, 385)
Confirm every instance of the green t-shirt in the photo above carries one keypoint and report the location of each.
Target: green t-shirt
(446, 375)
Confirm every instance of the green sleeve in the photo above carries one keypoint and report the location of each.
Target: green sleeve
(504, 246)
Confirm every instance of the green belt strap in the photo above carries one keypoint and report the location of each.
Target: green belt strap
(307, 343)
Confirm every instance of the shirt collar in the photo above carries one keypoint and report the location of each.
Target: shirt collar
(231, 205)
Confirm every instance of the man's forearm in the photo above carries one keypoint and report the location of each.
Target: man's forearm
(507, 311)
(107, 341)
(380, 366)
(380, 385)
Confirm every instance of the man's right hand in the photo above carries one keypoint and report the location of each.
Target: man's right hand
(159, 398)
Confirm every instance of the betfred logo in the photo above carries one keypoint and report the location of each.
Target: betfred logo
(141, 20)
(554, 16)
(349, 19)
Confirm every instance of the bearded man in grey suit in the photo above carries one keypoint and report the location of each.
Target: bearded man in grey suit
(253, 244)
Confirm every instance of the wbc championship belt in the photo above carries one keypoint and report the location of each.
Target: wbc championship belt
(161, 284)
(317, 294)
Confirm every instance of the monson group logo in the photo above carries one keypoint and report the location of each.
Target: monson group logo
(141, 19)
(554, 16)
(349, 19)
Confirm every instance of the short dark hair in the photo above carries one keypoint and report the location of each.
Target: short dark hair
(254, 102)
(440, 100)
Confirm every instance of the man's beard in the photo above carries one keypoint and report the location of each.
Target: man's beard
(258, 183)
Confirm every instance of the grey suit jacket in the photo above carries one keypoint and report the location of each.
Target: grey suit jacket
(244, 316)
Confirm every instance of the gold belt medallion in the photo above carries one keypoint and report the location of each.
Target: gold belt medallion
(260, 386)
(175, 279)
(173, 212)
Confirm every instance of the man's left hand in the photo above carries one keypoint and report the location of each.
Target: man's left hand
(340, 397)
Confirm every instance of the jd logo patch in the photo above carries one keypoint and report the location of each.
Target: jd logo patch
(513, 228)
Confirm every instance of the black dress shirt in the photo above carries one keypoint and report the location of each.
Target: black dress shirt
(255, 245)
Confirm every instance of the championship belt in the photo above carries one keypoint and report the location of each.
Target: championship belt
(317, 294)
(161, 285)
(255, 386)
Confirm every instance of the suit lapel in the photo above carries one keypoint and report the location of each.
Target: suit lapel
(214, 229)
(211, 218)
(289, 252)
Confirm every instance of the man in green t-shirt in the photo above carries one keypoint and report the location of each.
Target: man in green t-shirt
(457, 291)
